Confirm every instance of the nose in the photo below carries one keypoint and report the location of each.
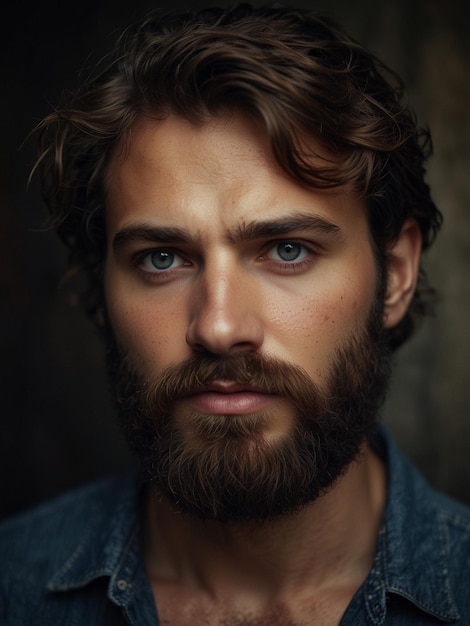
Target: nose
(224, 315)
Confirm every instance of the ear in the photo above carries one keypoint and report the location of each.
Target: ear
(402, 272)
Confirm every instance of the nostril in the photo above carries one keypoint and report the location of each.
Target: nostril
(243, 345)
(219, 336)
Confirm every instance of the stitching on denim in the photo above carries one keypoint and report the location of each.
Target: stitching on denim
(422, 605)
(451, 614)
(445, 552)
(58, 584)
(455, 519)
(375, 588)
(382, 558)
(128, 594)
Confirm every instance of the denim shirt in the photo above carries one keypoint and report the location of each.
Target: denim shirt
(77, 561)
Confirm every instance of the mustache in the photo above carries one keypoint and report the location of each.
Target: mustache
(261, 372)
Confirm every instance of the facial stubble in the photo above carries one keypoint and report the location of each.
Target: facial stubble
(223, 467)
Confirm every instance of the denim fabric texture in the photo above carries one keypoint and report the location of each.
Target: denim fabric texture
(76, 561)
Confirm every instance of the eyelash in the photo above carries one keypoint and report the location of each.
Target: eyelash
(157, 275)
(293, 266)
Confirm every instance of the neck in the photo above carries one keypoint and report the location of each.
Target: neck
(329, 543)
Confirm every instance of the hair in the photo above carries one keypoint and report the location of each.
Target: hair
(296, 73)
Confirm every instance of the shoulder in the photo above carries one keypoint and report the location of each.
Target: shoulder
(449, 516)
(56, 522)
(452, 552)
(55, 537)
(455, 513)
(425, 541)
(454, 519)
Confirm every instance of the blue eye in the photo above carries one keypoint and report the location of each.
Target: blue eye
(160, 260)
(288, 251)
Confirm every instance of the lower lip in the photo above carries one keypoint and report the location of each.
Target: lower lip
(240, 403)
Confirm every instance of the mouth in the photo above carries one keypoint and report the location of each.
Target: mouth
(229, 398)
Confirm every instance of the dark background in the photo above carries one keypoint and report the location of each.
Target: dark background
(57, 427)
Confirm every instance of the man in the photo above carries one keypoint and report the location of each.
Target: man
(245, 190)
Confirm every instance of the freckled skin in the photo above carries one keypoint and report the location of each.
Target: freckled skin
(209, 179)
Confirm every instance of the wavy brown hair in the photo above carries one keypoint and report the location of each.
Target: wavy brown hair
(297, 74)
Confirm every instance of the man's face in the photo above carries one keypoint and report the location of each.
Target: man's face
(212, 252)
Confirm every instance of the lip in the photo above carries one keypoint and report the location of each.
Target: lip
(228, 386)
(229, 398)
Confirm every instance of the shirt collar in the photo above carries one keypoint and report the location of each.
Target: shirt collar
(413, 545)
(109, 544)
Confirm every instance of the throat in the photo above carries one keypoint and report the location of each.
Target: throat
(299, 570)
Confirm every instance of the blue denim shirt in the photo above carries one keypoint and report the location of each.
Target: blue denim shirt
(77, 561)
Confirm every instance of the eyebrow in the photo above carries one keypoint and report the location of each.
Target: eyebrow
(244, 232)
(153, 234)
(284, 226)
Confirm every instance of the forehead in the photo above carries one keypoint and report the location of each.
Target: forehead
(217, 149)
(219, 172)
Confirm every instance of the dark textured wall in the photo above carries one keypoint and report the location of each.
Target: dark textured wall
(57, 428)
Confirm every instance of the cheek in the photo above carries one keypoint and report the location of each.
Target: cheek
(315, 325)
(148, 329)
(333, 312)
(316, 321)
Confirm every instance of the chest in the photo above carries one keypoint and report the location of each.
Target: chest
(180, 607)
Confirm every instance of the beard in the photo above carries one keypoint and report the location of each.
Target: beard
(222, 467)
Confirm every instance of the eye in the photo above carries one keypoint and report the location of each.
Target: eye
(288, 251)
(161, 260)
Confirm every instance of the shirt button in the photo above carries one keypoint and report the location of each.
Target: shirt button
(122, 585)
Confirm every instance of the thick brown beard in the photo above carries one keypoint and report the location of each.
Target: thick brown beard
(226, 470)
